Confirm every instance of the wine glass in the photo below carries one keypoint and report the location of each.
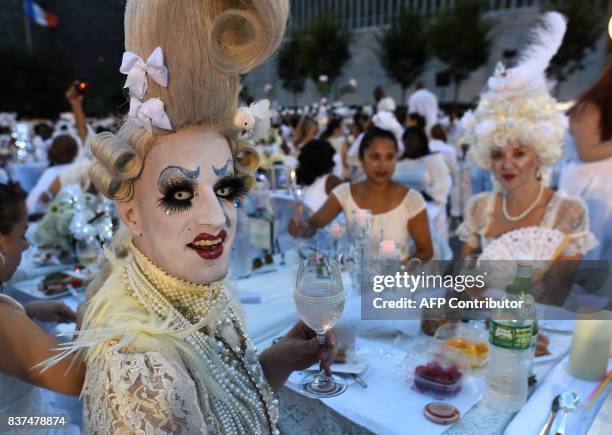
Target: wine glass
(319, 298)
(88, 252)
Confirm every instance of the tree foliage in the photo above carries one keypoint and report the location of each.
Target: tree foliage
(461, 38)
(403, 50)
(585, 26)
(34, 84)
(290, 68)
(325, 49)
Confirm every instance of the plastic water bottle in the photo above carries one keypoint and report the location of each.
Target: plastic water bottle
(241, 251)
(510, 336)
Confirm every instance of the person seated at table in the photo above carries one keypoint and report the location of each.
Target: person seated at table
(306, 131)
(337, 139)
(23, 344)
(517, 149)
(435, 180)
(427, 172)
(61, 154)
(314, 172)
(165, 345)
(398, 212)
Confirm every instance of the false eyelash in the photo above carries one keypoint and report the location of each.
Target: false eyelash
(171, 204)
(238, 185)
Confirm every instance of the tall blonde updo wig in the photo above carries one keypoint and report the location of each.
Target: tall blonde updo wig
(206, 45)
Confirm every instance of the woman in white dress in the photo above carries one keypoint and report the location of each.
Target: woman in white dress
(427, 172)
(23, 344)
(399, 213)
(337, 139)
(516, 132)
(63, 151)
(164, 343)
(314, 173)
(589, 151)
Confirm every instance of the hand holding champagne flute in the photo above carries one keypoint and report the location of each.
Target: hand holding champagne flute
(319, 298)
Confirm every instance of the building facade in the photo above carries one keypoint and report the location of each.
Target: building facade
(366, 19)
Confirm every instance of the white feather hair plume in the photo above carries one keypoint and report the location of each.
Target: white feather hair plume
(545, 41)
(528, 74)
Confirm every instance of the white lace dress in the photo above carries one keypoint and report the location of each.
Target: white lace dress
(393, 224)
(151, 371)
(564, 212)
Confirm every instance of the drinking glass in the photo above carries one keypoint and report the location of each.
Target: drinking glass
(319, 298)
(88, 253)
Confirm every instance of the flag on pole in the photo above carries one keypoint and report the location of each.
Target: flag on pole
(38, 15)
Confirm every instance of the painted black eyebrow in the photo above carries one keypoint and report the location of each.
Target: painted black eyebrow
(173, 171)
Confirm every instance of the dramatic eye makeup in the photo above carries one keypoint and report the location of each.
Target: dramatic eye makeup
(177, 186)
(232, 187)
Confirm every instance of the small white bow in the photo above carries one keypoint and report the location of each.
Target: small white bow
(149, 114)
(136, 70)
(253, 121)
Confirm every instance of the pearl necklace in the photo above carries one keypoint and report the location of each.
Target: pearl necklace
(526, 212)
(247, 404)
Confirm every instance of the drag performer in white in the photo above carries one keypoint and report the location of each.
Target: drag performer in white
(165, 347)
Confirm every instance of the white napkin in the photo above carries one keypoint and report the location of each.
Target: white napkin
(532, 416)
(389, 404)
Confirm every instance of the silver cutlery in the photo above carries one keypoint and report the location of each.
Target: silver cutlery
(359, 380)
(554, 408)
(568, 403)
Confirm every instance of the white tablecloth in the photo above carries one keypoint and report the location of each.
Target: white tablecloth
(387, 397)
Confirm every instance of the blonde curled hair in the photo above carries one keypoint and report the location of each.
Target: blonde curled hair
(206, 44)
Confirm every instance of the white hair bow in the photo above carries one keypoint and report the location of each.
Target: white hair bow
(136, 70)
(149, 114)
(253, 121)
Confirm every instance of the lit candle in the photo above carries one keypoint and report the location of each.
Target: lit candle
(590, 347)
(388, 250)
(336, 231)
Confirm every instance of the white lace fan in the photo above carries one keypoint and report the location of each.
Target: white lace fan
(540, 244)
(537, 243)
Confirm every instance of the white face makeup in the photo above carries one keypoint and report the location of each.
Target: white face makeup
(183, 205)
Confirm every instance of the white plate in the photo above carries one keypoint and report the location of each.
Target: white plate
(31, 288)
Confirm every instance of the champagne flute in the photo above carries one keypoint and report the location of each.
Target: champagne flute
(319, 298)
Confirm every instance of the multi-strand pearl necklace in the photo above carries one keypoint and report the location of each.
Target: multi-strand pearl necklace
(247, 404)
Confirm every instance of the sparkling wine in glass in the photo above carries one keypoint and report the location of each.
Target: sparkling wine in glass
(319, 298)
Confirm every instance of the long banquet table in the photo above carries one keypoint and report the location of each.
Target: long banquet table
(386, 405)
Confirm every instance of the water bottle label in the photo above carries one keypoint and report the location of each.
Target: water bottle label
(510, 337)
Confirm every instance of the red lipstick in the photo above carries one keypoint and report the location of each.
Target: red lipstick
(209, 246)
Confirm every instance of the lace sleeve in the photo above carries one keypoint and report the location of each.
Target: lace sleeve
(140, 393)
(473, 220)
(572, 218)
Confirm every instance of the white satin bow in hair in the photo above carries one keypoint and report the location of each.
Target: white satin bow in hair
(149, 114)
(253, 121)
(136, 70)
